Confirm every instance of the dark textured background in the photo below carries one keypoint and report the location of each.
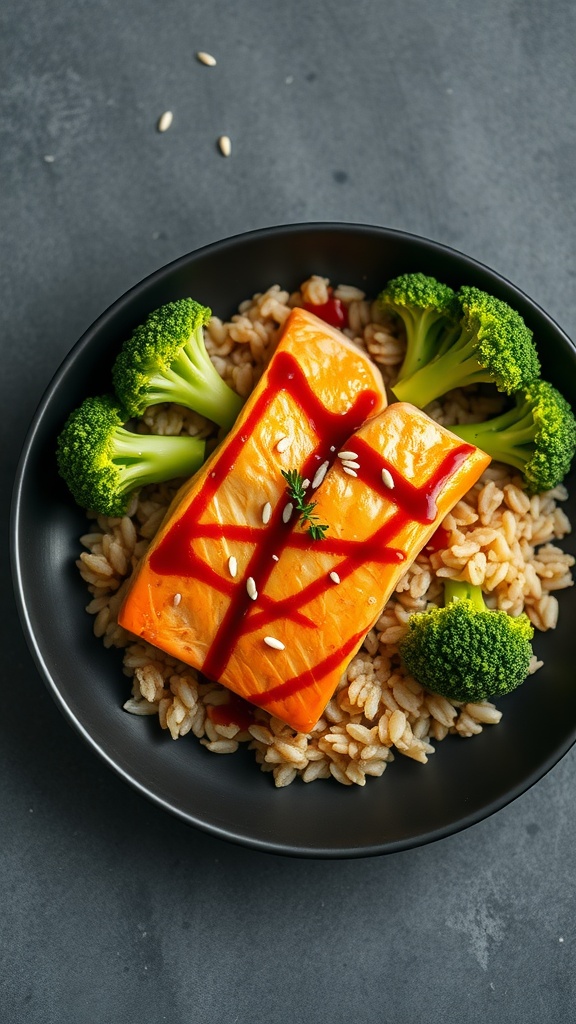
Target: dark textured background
(451, 120)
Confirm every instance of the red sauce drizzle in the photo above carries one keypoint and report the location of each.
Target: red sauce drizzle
(419, 503)
(438, 540)
(332, 312)
(307, 678)
(175, 556)
(235, 712)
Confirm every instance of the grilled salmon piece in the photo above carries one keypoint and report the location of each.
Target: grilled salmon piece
(402, 475)
(317, 389)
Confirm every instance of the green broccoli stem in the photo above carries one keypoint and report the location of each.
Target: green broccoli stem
(421, 334)
(159, 457)
(504, 437)
(457, 367)
(192, 380)
(460, 590)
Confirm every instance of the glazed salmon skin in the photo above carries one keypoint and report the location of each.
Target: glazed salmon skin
(279, 624)
(317, 389)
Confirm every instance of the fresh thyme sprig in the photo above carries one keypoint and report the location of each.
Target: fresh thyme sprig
(297, 493)
(317, 530)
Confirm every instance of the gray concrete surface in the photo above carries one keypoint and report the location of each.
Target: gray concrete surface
(454, 120)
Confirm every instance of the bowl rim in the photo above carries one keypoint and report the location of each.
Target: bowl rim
(75, 353)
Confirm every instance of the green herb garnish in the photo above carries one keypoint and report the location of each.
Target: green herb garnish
(297, 493)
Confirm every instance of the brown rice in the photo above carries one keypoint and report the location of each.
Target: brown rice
(498, 538)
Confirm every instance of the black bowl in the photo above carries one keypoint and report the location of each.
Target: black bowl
(229, 797)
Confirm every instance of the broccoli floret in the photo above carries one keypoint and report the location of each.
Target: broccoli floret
(103, 463)
(429, 311)
(464, 651)
(492, 344)
(537, 436)
(165, 360)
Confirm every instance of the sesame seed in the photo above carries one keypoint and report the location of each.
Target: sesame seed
(273, 642)
(165, 121)
(288, 510)
(225, 145)
(176, 600)
(387, 479)
(206, 58)
(305, 484)
(251, 588)
(275, 558)
(232, 565)
(350, 464)
(332, 448)
(351, 472)
(334, 577)
(347, 455)
(320, 474)
(283, 444)
(372, 600)
(266, 513)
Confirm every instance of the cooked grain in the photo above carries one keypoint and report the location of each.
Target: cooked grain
(165, 121)
(206, 58)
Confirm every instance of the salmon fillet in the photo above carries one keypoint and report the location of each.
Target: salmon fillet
(316, 390)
